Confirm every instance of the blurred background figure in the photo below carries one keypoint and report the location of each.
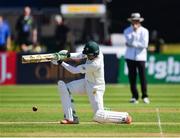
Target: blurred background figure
(61, 33)
(26, 31)
(157, 41)
(5, 35)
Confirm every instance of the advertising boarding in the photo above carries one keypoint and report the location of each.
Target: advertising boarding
(7, 68)
(159, 69)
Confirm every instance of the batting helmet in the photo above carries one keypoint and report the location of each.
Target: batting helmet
(91, 48)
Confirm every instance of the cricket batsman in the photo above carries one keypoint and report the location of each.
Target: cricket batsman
(93, 84)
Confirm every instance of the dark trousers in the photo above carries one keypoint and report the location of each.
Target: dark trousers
(135, 68)
(3, 48)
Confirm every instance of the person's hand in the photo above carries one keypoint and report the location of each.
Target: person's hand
(59, 62)
(128, 45)
(64, 52)
(61, 55)
(54, 62)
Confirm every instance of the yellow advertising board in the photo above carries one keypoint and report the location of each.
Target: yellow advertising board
(83, 9)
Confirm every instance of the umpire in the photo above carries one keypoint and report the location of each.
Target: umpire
(137, 38)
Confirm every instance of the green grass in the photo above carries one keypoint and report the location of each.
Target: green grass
(18, 119)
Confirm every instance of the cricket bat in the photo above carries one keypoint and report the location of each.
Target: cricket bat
(37, 58)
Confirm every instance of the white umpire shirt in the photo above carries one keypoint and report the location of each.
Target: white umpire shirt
(93, 70)
(137, 43)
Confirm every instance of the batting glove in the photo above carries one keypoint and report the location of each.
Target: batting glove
(64, 52)
(59, 62)
(54, 62)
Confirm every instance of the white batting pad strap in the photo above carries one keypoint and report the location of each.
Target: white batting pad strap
(103, 116)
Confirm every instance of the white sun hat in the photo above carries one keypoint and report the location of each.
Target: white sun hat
(135, 17)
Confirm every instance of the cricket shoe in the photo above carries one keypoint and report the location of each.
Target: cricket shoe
(146, 100)
(128, 120)
(134, 101)
(66, 121)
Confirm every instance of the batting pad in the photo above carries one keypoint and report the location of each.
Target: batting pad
(103, 116)
(66, 100)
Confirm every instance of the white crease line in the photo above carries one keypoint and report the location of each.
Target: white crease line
(159, 122)
(6, 123)
(91, 123)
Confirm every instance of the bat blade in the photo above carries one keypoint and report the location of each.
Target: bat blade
(42, 58)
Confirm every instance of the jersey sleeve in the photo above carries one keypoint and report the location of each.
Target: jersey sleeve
(84, 68)
(8, 32)
(77, 56)
(128, 36)
(72, 69)
(144, 40)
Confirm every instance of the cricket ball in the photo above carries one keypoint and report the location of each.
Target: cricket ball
(34, 108)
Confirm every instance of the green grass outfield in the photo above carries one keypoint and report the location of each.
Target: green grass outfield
(161, 118)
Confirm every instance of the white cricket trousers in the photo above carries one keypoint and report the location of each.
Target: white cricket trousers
(95, 97)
